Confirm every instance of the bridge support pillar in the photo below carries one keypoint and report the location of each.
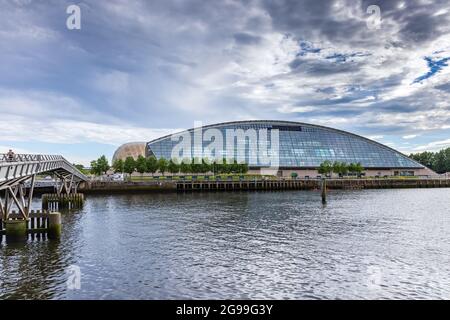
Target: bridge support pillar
(16, 230)
(55, 202)
(54, 225)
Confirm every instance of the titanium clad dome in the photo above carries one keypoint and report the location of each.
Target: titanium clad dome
(132, 149)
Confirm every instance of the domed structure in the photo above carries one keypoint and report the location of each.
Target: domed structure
(302, 148)
(131, 149)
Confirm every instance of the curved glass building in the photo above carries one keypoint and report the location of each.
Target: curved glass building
(301, 147)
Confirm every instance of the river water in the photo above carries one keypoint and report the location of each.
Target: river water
(367, 244)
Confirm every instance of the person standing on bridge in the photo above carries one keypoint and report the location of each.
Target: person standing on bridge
(10, 155)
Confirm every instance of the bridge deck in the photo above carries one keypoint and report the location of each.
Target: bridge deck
(17, 168)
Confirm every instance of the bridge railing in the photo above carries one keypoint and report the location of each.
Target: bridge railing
(18, 165)
(5, 157)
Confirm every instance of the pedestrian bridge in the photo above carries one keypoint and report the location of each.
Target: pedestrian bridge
(24, 166)
(18, 169)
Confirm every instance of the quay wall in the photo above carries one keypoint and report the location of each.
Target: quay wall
(127, 186)
(279, 184)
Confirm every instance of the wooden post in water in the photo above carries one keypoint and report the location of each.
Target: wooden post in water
(324, 191)
(16, 230)
(55, 202)
(54, 225)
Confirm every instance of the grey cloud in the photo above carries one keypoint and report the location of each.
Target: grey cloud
(312, 20)
(417, 21)
(322, 67)
(421, 27)
(246, 38)
(318, 19)
(177, 57)
(444, 87)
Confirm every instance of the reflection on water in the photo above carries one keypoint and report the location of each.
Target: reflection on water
(362, 244)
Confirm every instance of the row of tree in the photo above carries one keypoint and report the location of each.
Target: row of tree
(341, 168)
(100, 166)
(437, 161)
(152, 165)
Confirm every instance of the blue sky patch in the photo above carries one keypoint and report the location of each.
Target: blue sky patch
(435, 66)
(305, 48)
(341, 57)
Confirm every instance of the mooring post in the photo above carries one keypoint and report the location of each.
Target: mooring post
(54, 225)
(16, 230)
(324, 190)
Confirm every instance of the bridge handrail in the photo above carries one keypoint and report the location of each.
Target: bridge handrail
(16, 159)
(4, 157)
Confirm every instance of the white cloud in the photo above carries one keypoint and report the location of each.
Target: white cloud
(40, 105)
(148, 64)
(72, 132)
(376, 137)
(5, 149)
(434, 146)
(112, 82)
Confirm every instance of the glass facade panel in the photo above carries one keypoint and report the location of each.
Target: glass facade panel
(300, 145)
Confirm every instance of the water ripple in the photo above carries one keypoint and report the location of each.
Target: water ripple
(378, 244)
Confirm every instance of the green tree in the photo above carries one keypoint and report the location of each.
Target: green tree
(103, 164)
(81, 168)
(235, 167)
(162, 165)
(185, 166)
(437, 161)
(358, 168)
(221, 166)
(441, 162)
(95, 168)
(426, 158)
(196, 165)
(352, 168)
(141, 164)
(215, 167)
(99, 166)
(326, 168)
(118, 166)
(151, 165)
(340, 168)
(173, 167)
(336, 167)
(344, 168)
(206, 165)
(447, 157)
(129, 165)
(243, 168)
(225, 167)
(355, 168)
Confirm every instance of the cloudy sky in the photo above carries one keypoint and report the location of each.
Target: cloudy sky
(139, 69)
